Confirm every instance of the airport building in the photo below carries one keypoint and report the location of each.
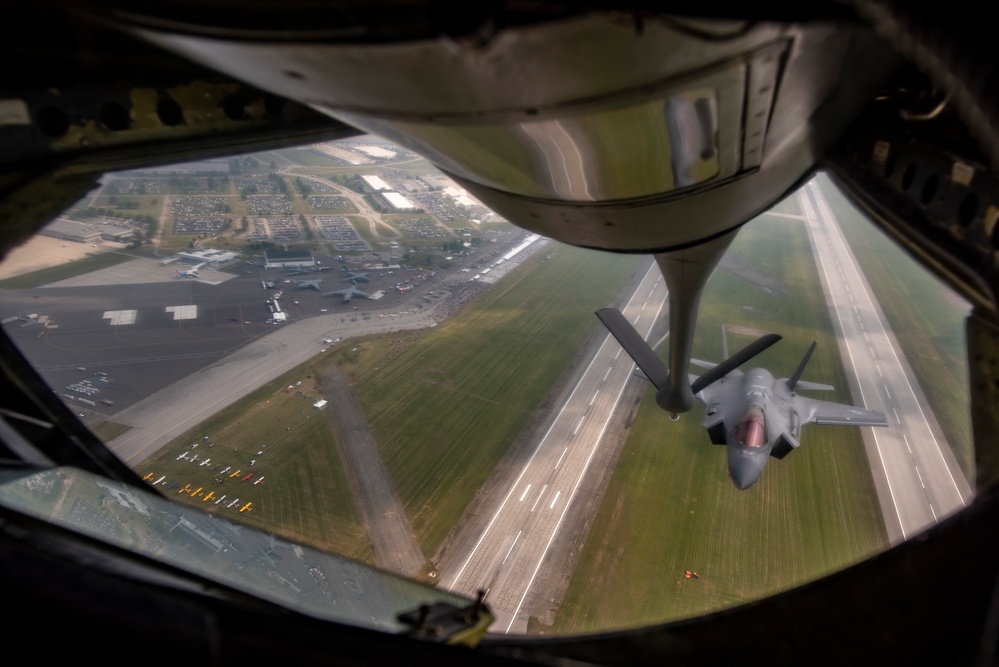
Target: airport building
(397, 201)
(279, 259)
(80, 232)
(376, 183)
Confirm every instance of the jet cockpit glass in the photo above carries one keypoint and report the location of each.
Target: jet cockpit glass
(751, 431)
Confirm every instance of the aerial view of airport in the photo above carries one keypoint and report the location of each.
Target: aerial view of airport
(337, 345)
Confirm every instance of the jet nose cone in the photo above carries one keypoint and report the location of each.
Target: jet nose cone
(745, 468)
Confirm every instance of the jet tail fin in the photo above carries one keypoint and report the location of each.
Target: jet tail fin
(733, 362)
(793, 380)
(707, 365)
(636, 347)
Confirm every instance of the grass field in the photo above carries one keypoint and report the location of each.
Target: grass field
(306, 158)
(927, 319)
(670, 505)
(148, 205)
(305, 494)
(68, 270)
(445, 408)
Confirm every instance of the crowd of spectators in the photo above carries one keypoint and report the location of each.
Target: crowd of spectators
(459, 294)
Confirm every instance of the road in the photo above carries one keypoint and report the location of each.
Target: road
(918, 480)
(509, 553)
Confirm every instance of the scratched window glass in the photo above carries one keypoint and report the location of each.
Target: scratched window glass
(338, 345)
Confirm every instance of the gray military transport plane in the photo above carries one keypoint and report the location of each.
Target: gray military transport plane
(753, 414)
(348, 293)
(308, 284)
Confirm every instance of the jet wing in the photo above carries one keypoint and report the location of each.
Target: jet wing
(816, 386)
(811, 410)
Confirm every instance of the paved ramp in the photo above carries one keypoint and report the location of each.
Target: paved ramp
(392, 540)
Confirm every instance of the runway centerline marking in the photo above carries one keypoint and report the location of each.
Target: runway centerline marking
(559, 459)
(555, 499)
(524, 494)
(538, 499)
(510, 550)
(581, 419)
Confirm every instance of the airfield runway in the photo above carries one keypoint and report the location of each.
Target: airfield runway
(919, 482)
(508, 555)
(392, 540)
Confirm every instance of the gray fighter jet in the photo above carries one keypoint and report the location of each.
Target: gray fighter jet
(752, 413)
(349, 293)
(308, 284)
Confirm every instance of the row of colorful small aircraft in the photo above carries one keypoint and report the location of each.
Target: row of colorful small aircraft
(198, 492)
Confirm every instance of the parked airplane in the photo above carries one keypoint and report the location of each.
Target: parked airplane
(356, 277)
(349, 293)
(147, 477)
(220, 499)
(186, 489)
(260, 481)
(211, 494)
(308, 284)
(298, 271)
(753, 414)
(190, 273)
(234, 474)
(247, 507)
(248, 476)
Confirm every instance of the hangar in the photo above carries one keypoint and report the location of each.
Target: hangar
(277, 259)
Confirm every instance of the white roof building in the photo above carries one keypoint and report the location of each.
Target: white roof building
(376, 182)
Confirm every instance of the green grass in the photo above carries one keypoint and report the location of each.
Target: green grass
(305, 495)
(71, 269)
(306, 158)
(445, 409)
(670, 505)
(926, 317)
